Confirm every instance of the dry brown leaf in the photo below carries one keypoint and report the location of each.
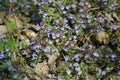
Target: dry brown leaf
(19, 24)
(42, 68)
(52, 60)
(36, 73)
(109, 17)
(30, 34)
(15, 19)
(115, 16)
(2, 14)
(25, 40)
(102, 37)
(3, 29)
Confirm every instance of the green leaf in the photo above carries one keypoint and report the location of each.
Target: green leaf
(2, 45)
(50, 13)
(28, 19)
(80, 32)
(11, 26)
(3, 66)
(68, 76)
(52, 46)
(51, 27)
(11, 43)
(116, 78)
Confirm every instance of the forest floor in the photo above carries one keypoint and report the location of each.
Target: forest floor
(60, 40)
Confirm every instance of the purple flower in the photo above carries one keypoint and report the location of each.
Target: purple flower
(70, 65)
(75, 64)
(34, 56)
(75, 37)
(68, 7)
(50, 42)
(4, 40)
(59, 1)
(77, 59)
(82, 15)
(103, 73)
(53, 35)
(2, 36)
(66, 58)
(63, 36)
(32, 41)
(78, 69)
(71, 45)
(83, 25)
(25, 78)
(81, 3)
(79, 72)
(58, 78)
(71, 16)
(89, 20)
(49, 76)
(113, 27)
(45, 15)
(86, 56)
(56, 40)
(73, 5)
(36, 48)
(76, 31)
(76, 27)
(10, 68)
(105, 2)
(57, 20)
(24, 53)
(32, 65)
(108, 68)
(112, 7)
(57, 35)
(62, 28)
(62, 7)
(86, 3)
(2, 56)
(37, 27)
(64, 12)
(70, 38)
(65, 49)
(81, 48)
(8, 63)
(7, 50)
(81, 10)
(15, 75)
(96, 54)
(106, 56)
(47, 49)
(89, 5)
(113, 56)
(118, 72)
(90, 46)
(65, 20)
(100, 19)
(75, 56)
(68, 71)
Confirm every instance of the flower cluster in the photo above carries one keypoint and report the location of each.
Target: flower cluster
(71, 27)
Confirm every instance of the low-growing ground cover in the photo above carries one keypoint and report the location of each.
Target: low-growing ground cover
(59, 39)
